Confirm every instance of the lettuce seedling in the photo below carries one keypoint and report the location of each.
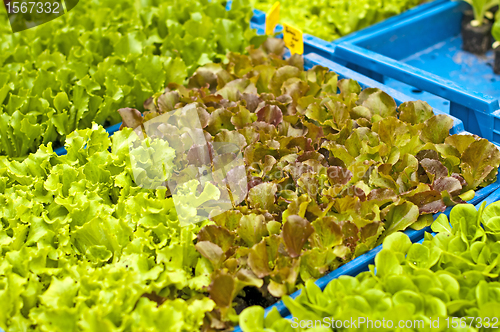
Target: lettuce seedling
(481, 10)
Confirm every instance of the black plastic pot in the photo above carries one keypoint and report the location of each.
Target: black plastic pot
(477, 40)
(496, 65)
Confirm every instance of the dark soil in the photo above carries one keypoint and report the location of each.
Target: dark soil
(56, 145)
(254, 296)
(106, 124)
(477, 40)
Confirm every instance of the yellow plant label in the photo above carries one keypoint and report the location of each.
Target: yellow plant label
(272, 18)
(293, 39)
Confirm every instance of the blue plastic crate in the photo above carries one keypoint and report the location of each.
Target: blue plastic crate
(421, 55)
(369, 258)
(361, 263)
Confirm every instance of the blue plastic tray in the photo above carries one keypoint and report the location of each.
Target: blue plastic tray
(421, 55)
(370, 256)
(361, 263)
